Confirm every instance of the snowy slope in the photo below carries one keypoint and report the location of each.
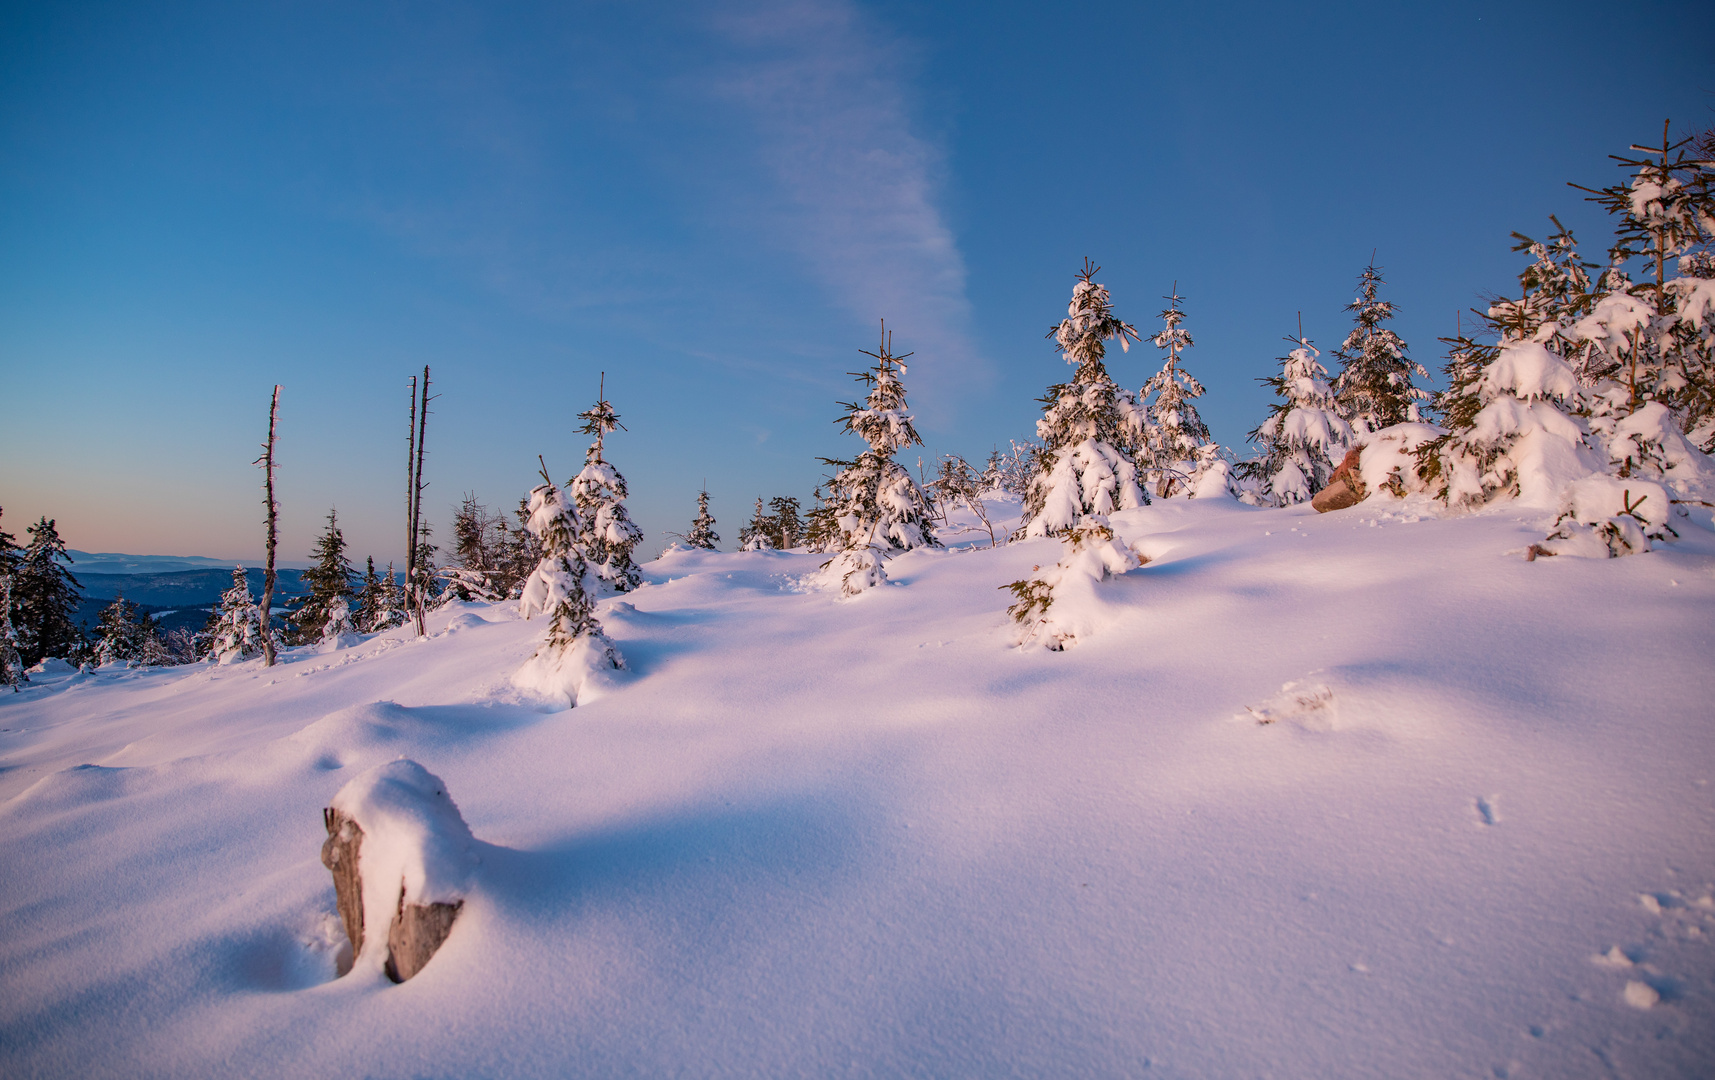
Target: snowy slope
(806, 837)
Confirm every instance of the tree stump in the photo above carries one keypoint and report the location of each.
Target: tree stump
(340, 854)
(415, 931)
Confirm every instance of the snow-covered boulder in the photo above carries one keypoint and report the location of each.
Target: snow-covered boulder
(401, 857)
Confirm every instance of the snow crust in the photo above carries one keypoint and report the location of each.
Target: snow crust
(813, 837)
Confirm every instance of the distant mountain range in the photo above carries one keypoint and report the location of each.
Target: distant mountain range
(187, 596)
(112, 562)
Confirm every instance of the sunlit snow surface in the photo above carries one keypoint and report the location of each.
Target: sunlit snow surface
(812, 837)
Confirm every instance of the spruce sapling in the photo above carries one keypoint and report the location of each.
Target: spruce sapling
(575, 648)
(607, 534)
(1085, 465)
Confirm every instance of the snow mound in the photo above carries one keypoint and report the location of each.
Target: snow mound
(579, 674)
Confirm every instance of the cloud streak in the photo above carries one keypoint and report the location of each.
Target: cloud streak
(828, 96)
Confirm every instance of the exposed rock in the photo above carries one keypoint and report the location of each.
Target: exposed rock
(1345, 487)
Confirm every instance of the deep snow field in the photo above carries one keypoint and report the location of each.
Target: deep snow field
(806, 837)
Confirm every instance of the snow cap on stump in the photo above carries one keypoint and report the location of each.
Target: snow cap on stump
(414, 855)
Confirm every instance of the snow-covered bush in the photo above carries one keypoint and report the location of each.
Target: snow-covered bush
(1604, 516)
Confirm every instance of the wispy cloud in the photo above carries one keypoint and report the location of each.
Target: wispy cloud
(829, 96)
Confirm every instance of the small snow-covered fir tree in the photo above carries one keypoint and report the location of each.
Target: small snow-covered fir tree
(45, 597)
(1511, 408)
(575, 649)
(878, 508)
(1088, 425)
(876, 500)
(389, 609)
(1653, 339)
(1304, 437)
(1374, 388)
(821, 526)
(702, 534)
(755, 536)
(606, 533)
(235, 627)
(479, 544)
(1175, 433)
(1054, 606)
(325, 613)
(123, 633)
(11, 657)
(11, 661)
(786, 528)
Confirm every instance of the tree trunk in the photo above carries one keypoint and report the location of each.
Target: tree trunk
(273, 516)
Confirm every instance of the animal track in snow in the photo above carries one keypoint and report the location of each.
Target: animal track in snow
(1307, 703)
(1487, 810)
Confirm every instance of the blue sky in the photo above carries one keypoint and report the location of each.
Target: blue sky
(714, 204)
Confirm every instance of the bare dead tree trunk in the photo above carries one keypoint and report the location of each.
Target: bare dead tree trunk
(411, 494)
(421, 595)
(267, 463)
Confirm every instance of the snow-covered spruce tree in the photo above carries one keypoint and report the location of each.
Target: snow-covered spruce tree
(1304, 437)
(755, 535)
(607, 534)
(702, 534)
(1374, 388)
(879, 509)
(1651, 338)
(11, 661)
(1511, 408)
(325, 613)
(1694, 303)
(45, 598)
(1641, 358)
(1175, 433)
(575, 649)
(123, 633)
(387, 609)
(520, 552)
(786, 528)
(821, 525)
(235, 626)
(1085, 465)
(479, 540)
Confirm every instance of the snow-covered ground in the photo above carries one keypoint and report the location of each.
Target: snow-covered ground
(812, 837)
